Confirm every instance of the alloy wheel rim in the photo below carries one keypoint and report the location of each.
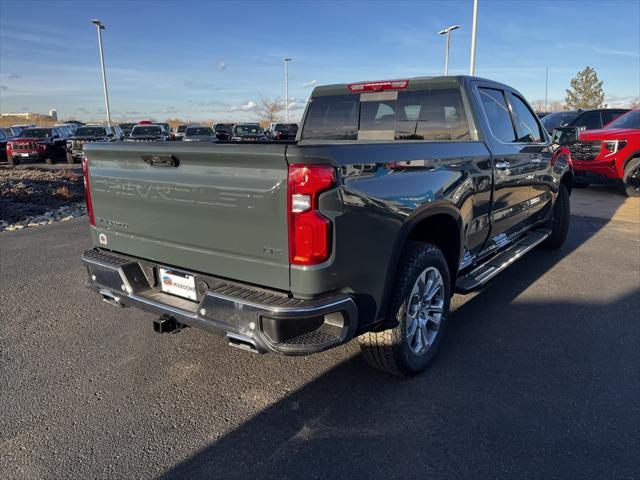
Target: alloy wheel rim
(634, 178)
(424, 311)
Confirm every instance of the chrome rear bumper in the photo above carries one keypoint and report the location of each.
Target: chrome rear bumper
(260, 319)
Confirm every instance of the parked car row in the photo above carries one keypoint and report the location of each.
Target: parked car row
(236, 132)
(583, 119)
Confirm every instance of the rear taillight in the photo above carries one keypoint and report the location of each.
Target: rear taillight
(378, 86)
(87, 190)
(309, 230)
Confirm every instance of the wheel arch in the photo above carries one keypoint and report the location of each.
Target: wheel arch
(567, 181)
(631, 156)
(439, 224)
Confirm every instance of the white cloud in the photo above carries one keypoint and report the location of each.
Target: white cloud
(221, 65)
(297, 105)
(309, 83)
(245, 107)
(611, 51)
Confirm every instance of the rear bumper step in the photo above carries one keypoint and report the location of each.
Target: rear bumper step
(265, 320)
(481, 274)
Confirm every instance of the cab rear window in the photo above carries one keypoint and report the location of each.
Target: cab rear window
(429, 114)
(332, 118)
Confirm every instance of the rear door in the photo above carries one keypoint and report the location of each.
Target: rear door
(533, 141)
(512, 165)
(214, 209)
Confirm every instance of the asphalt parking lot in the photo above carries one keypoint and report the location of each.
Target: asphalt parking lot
(538, 377)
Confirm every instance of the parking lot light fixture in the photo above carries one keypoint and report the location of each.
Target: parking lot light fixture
(286, 89)
(447, 31)
(100, 26)
(474, 33)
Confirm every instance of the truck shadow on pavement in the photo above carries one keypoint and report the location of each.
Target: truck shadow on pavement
(515, 392)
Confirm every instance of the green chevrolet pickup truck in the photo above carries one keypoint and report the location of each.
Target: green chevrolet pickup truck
(395, 195)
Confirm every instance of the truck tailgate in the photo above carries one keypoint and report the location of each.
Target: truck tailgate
(215, 209)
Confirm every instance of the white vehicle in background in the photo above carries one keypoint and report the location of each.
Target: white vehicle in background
(178, 133)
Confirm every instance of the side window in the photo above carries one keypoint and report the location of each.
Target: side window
(495, 106)
(527, 127)
(589, 121)
(609, 116)
(435, 115)
(332, 118)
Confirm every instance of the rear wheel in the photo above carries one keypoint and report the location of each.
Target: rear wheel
(559, 221)
(631, 179)
(419, 307)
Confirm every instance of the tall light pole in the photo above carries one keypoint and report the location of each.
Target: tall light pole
(447, 31)
(474, 31)
(100, 27)
(286, 89)
(546, 90)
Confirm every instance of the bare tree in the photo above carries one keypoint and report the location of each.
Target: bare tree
(268, 109)
(539, 105)
(635, 103)
(556, 106)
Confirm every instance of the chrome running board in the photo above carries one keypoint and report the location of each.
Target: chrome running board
(481, 274)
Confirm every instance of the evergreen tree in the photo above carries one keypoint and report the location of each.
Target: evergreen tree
(585, 90)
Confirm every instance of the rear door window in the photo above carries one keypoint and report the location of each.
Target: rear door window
(527, 126)
(434, 114)
(588, 120)
(333, 117)
(498, 116)
(609, 116)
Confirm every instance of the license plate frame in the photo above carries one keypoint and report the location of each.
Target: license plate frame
(177, 283)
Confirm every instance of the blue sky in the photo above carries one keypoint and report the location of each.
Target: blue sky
(213, 60)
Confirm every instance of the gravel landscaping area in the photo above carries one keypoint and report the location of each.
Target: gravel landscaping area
(30, 198)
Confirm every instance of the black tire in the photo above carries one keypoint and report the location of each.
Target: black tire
(70, 158)
(48, 161)
(559, 221)
(631, 178)
(13, 161)
(390, 350)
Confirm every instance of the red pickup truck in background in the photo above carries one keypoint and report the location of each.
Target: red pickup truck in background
(610, 155)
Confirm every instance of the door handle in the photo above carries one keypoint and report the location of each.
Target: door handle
(161, 160)
(502, 165)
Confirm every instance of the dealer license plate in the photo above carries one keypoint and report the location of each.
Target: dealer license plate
(179, 284)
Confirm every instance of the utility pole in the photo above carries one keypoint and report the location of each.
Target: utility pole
(286, 89)
(447, 31)
(546, 90)
(474, 31)
(100, 27)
